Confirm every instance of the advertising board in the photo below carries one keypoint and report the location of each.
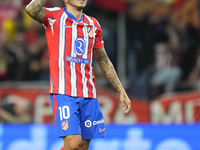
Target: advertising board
(118, 137)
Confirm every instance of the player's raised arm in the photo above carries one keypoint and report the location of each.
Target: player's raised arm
(109, 71)
(35, 10)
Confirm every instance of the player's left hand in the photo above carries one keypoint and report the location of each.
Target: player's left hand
(125, 101)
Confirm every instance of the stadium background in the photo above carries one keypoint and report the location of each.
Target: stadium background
(138, 35)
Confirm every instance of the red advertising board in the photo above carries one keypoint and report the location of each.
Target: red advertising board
(109, 101)
(174, 108)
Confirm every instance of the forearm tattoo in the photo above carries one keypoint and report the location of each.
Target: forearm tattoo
(35, 10)
(107, 68)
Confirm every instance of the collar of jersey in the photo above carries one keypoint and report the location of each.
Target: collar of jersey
(72, 16)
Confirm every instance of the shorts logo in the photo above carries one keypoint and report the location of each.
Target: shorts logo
(88, 123)
(79, 46)
(98, 122)
(65, 125)
(101, 130)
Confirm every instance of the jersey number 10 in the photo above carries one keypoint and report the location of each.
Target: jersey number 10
(64, 112)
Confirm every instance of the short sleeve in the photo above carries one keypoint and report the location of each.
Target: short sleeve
(99, 43)
(49, 14)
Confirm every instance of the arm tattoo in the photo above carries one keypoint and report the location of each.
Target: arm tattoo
(107, 68)
(35, 10)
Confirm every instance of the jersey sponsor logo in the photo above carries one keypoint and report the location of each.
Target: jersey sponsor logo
(79, 46)
(64, 125)
(77, 60)
(101, 130)
(98, 122)
(88, 123)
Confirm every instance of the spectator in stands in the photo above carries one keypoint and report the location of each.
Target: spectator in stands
(167, 73)
(18, 48)
(37, 67)
(9, 13)
(189, 45)
(37, 62)
(3, 60)
(8, 60)
(138, 52)
(193, 81)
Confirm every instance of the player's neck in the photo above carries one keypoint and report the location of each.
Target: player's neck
(75, 12)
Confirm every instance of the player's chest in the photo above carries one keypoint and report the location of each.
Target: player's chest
(73, 30)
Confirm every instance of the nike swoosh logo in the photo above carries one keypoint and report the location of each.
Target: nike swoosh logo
(101, 130)
(67, 26)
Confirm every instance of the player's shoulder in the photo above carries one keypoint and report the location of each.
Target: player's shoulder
(93, 20)
(53, 9)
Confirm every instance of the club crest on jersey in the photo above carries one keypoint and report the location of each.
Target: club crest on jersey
(64, 125)
(91, 31)
(79, 46)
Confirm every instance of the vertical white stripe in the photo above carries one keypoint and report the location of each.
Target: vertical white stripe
(61, 59)
(90, 72)
(73, 64)
(51, 88)
(85, 56)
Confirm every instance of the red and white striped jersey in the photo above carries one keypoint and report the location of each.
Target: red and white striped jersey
(70, 44)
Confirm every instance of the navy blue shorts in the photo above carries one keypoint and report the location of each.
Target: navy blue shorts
(77, 115)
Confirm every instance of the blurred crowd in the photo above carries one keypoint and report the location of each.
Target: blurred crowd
(23, 49)
(162, 47)
(162, 44)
